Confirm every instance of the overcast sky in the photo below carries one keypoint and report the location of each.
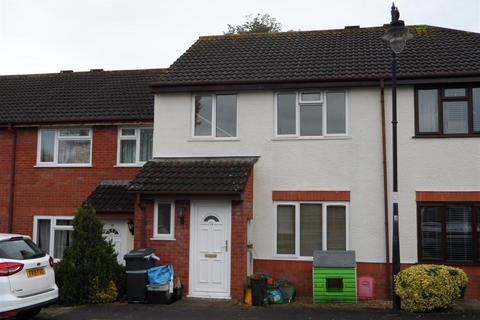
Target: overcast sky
(39, 36)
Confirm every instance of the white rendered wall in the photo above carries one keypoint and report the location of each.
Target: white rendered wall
(353, 163)
(426, 164)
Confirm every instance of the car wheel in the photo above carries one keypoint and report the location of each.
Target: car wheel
(29, 314)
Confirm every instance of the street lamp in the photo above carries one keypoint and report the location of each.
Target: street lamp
(397, 34)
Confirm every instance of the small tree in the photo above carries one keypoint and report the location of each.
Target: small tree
(259, 23)
(89, 269)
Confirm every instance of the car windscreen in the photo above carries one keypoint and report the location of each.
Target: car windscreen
(20, 249)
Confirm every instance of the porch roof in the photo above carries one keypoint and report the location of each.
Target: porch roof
(112, 196)
(204, 175)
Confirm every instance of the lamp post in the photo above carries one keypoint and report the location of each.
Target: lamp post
(397, 34)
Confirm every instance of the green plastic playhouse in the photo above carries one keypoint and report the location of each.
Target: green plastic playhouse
(334, 277)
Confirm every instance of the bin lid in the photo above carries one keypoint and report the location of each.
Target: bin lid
(334, 259)
(139, 253)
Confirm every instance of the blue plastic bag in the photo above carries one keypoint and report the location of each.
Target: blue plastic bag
(160, 275)
(275, 296)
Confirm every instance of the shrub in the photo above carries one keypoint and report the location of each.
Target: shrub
(429, 287)
(100, 294)
(459, 276)
(120, 281)
(89, 265)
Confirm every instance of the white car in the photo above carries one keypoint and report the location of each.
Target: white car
(27, 278)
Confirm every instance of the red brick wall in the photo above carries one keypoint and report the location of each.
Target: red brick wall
(176, 252)
(55, 191)
(448, 196)
(311, 195)
(300, 274)
(5, 156)
(242, 211)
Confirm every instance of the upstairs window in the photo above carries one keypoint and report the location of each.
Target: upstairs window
(311, 114)
(449, 232)
(451, 111)
(64, 147)
(215, 116)
(134, 145)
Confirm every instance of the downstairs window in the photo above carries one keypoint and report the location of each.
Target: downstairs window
(449, 232)
(164, 220)
(304, 227)
(53, 234)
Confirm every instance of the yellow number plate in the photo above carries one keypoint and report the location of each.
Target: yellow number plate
(35, 272)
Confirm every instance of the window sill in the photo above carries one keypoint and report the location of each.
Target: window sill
(63, 166)
(162, 239)
(133, 165)
(312, 138)
(430, 136)
(194, 139)
(291, 258)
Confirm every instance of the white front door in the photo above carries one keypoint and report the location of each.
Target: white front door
(117, 232)
(210, 249)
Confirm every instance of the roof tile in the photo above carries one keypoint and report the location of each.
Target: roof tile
(112, 196)
(328, 55)
(78, 96)
(227, 175)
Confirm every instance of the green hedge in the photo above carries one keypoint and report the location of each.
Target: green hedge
(427, 287)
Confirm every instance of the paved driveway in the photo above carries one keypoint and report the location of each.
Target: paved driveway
(201, 309)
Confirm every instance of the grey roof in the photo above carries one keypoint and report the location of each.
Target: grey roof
(327, 55)
(112, 196)
(334, 259)
(215, 175)
(78, 96)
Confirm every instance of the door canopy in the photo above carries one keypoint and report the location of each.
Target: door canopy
(194, 176)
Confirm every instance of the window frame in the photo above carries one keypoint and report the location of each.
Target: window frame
(443, 209)
(135, 137)
(163, 236)
(441, 98)
(297, 204)
(58, 138)
(53, 228)
(213, 134)
(321, 103)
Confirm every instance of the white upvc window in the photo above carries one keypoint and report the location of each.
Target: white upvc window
(134, 146)
(64, 147)
(164, 220)
(303, 227)
(53, 234)
(214, 116)
(311, 114)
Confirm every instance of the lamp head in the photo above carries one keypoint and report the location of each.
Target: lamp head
(397, 34)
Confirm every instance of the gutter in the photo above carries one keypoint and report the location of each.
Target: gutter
(236, 85)
(77, 123)
(11, 180)
(385, 184)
